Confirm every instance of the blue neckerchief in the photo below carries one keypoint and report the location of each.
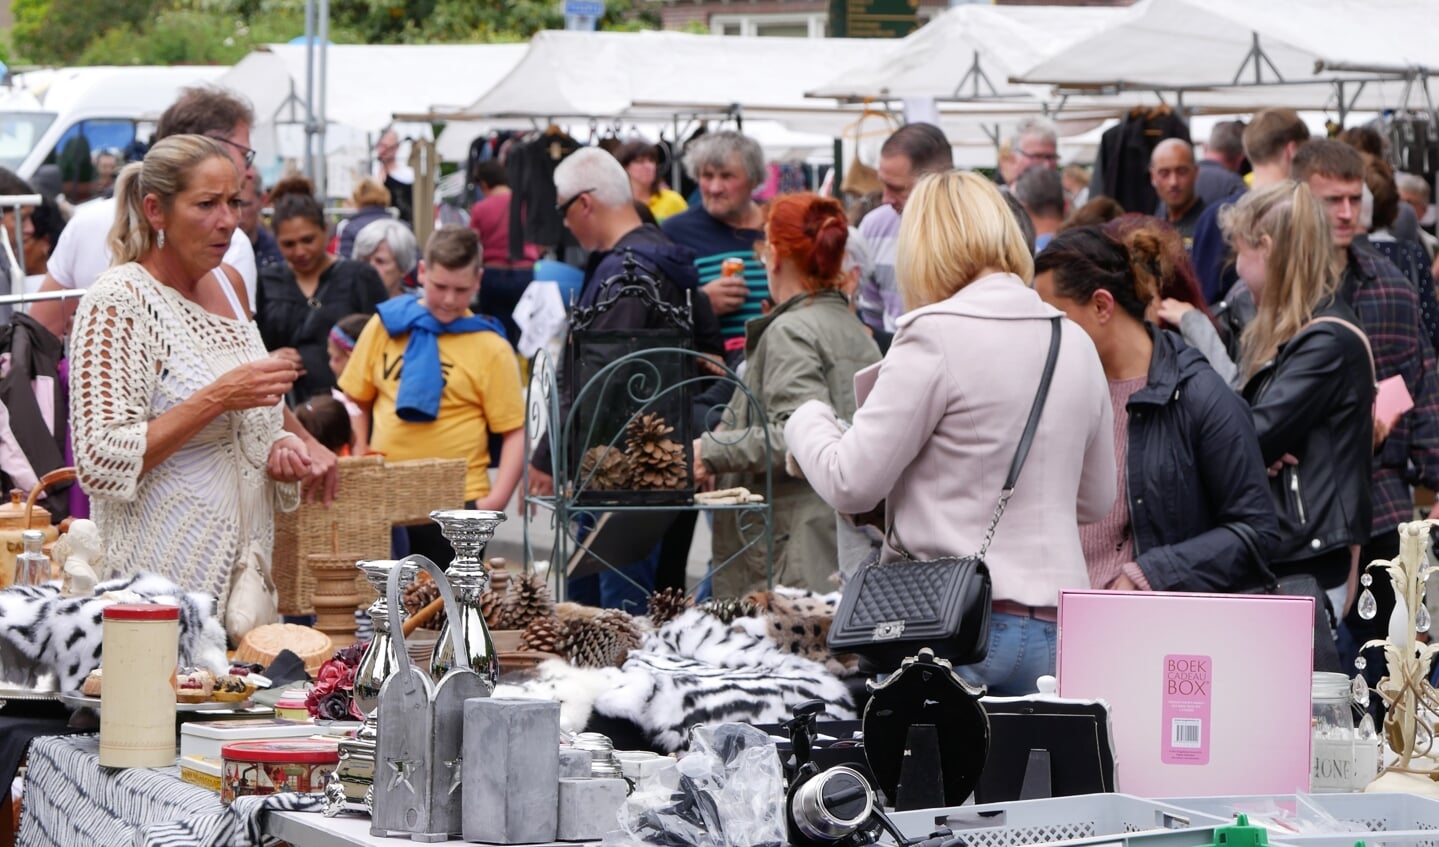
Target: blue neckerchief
(421, 380)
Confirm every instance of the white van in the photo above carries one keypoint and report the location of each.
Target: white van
(74, 117)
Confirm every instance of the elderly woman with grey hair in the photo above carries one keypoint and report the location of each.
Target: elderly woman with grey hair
(728, 224)
(390, 248)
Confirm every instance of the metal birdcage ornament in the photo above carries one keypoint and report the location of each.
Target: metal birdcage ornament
(629, 431)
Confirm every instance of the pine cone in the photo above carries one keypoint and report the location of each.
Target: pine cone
(542, 635)
(728, 609)
(528, 598)
(624, 627)
(418, 595)
(610, 468)
(492, 602)
(588, 643)
(667, 604)
(657, 461)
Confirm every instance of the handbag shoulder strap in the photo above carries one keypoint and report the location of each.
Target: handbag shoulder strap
(1352, 328)
(1026, 439)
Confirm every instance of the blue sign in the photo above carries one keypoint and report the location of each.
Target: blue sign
(585, 8)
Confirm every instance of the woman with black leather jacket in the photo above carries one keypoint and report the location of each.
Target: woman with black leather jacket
(1309, 380)
(1190, 479)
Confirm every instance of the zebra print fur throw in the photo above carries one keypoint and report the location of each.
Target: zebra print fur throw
(41, 632)
(695, 669)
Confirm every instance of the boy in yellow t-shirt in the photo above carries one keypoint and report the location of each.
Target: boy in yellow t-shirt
(439, 379)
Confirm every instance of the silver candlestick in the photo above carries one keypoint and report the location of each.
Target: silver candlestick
(469, 531)
(350, 787)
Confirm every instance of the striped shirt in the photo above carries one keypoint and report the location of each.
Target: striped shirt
(714, 241)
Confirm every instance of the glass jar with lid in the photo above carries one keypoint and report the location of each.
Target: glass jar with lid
(1333, 727)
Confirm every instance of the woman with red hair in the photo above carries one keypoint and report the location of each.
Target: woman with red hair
(808, 347)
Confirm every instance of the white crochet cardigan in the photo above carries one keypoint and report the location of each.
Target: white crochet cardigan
(138, 349)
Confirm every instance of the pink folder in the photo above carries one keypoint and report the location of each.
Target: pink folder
(1392, 400)
(1209, 693)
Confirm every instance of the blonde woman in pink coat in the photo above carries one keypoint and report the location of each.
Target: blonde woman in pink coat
(941, 415)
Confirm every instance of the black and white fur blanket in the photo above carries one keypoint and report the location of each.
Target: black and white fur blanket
(42, 632)
(695, 669)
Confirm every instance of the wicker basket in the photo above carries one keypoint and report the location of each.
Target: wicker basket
(415, 488)
(355, 520)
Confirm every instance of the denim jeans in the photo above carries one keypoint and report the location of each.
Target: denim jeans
(1021, 649)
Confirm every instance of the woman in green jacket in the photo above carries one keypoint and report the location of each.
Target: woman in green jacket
(808, 347)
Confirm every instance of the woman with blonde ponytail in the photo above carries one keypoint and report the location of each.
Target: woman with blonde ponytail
(175, 405)
(1309, 381)
(1189, 478)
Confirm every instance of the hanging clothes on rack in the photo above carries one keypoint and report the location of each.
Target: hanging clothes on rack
(34, 396)
(530, 167)
(1122, 167)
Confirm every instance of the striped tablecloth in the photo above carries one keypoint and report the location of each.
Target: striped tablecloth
(70, 801)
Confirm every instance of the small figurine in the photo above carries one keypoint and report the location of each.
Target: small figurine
(85, 553)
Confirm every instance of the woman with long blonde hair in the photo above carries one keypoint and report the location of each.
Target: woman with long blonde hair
(1309, 381)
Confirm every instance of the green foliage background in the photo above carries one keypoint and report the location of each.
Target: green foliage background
(165, 32)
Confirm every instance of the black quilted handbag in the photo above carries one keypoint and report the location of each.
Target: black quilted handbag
(888, 612)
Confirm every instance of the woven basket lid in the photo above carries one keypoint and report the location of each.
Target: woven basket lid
(263, 643)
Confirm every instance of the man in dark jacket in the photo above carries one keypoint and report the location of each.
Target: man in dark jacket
(595, 203)
(1269, 142)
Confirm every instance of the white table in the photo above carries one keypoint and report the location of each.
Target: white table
(312, 829)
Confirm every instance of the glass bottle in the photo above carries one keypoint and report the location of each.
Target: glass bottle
(469, 531)
(1333, 726)
(32, 567)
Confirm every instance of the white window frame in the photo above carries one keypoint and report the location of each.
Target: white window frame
(749, 23)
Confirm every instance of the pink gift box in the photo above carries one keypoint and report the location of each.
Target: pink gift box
(1209, 693)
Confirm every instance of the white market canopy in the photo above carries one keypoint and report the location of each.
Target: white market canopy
(664, 78)
(969, 52)
(368, 83)
(1246, 54)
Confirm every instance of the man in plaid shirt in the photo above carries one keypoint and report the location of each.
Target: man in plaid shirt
(1387, 304)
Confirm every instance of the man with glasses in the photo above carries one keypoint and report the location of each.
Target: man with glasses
(1035, 141)
(82, 252)
(597, 206)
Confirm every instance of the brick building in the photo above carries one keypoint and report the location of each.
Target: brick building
(798, 18)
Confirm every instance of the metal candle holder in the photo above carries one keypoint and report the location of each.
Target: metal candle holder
(351, 785)
(469, 531)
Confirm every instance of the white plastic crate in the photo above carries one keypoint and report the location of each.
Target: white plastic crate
(1402, 820)
(1111, 817)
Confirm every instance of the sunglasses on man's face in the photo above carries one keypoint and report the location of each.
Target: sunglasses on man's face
(564, 208)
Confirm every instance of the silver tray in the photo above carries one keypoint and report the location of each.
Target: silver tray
(80, 701)
(17, 694)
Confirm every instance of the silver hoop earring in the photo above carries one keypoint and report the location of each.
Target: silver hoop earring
(160, 242)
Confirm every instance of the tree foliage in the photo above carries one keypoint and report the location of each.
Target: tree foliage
(58, 31)
(222, 31)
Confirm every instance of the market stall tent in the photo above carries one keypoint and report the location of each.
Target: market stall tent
(969, 52)
(662, 80)
(367, 83)
(1242, 54)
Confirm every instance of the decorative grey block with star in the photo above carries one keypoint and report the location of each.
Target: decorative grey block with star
(512, 770)
(419, 767)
